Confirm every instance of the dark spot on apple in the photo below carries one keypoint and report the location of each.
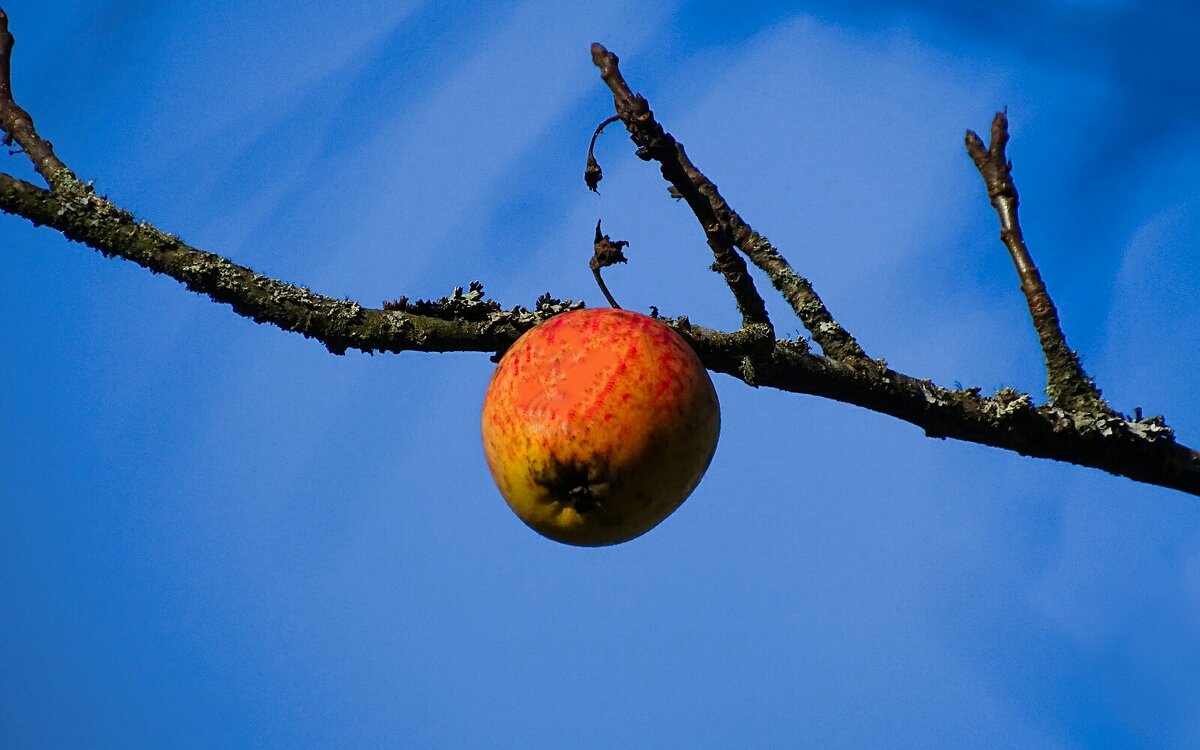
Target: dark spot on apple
(584, 486)
(581, 499)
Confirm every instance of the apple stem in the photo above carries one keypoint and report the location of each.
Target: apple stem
(607, 295)
(606, 253)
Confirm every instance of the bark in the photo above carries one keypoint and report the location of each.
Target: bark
(1075, 427)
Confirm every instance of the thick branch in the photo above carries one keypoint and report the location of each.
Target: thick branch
(655, 143)
(1143, 450)
(85, 217)
(1067, 384)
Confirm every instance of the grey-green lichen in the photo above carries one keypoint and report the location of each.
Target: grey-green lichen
(465, 320)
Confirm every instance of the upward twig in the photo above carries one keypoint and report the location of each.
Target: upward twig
(708, 204)
(18, 125)
(1142, 449)
(834, 340)
(655, 143)
(1067, 384)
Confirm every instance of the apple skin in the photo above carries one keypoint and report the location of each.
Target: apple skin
(598, 424)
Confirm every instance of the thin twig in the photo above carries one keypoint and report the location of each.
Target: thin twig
(834, 340)
(18, 125)
(592, 174)
(655, 143)
(1067, 384)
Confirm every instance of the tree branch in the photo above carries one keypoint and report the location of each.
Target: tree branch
(1144, 450)
(655, 143)
(85, 217)
(1067, 384)
(708, 205)
(18, 125)
(835, 341)
(1141, 449)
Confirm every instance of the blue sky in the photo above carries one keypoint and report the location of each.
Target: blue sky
(216, 534)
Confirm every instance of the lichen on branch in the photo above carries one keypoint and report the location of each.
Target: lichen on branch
(1067, 384)
(1070, 429)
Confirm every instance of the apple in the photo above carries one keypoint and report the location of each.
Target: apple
(598, 424)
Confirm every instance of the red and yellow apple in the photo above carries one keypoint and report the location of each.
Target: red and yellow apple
(598, 424)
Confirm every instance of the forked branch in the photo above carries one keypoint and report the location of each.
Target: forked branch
(702, 196)
(655, 143)
(1141, 449)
